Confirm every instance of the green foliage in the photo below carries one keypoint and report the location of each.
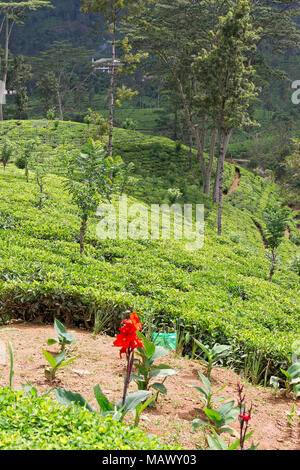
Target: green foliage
(32, 423)
(276, 219)
(25, 155)
(213, 355)
(63, 337)
(208, 394)
(7, 150)
(295, 265)
(291, 379)
(116, 411)
(219, 292)
(51, 114)
(215, 442)
(56, 362)
(98, 127)
(88, 181)
(147, 371)
(129, 124)
(47, 89)
(219, 419)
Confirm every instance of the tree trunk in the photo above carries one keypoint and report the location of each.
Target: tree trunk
(82, 234)
(41, 186)
(112, 92)
(273, 265)
(4, 77)
(224, 141)
(175, 136)
(191, 152)
(194, 130)
(217, 179)
(211, 161)
(61, 112)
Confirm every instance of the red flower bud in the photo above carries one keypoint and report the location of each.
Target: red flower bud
(245, 417)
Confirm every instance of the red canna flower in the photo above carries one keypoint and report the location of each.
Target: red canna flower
(128, 340)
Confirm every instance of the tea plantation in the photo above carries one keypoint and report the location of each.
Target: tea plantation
(221, 293)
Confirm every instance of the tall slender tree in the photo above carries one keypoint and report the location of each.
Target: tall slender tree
(175, 31)
(113, 11)
(12, 13)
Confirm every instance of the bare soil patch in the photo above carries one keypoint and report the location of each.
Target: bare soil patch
(99, 362)
(236, 181)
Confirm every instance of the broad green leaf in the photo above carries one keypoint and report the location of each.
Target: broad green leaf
(142, 406)
(226, 408)
(51, 341)
(196, 423)
(69, 361)
(285, 373)
(205, 349)
(149, 347)
(49, 358)
(216, 443)
(201, 390)
(219, 351)
(294, 370)
(66, 397)
(137, 378)
(60, 357)
(160, 373)
(59, 328)
(160, 388)
(229, 430)
(205, 380)
(296, 389)
(132, 401)
(102, 400)
(213, 415)
(275, 381)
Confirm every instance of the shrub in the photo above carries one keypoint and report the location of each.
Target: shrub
(295, 265)
(28, 423)
(21, 162)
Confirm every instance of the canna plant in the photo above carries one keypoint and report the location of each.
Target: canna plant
(207, 392)
(147, 371)
(219, 419)
(136, 402)
(291, 415)
(213, 355)
(56, 363)
(244, 416)
(215, 442)
(63, 337)
(117, 411)
(291, 381)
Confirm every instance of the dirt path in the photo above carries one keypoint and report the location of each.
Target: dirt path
(261, 234)
(99, 362)
(236, 182)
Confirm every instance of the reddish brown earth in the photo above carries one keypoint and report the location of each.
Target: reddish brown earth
(99, 362)
(236, 182)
